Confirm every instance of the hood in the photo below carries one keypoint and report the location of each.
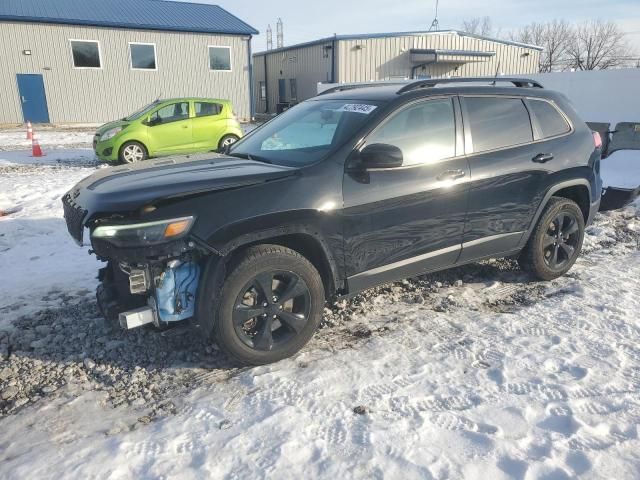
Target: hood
(129, 187)
(110, 125)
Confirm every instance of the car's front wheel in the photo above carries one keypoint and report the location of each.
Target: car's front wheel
(226, 141)
(132, 152)
(556, 240)
(269, 307)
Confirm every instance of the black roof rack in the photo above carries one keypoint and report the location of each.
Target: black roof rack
(342, 88)
(432, 82)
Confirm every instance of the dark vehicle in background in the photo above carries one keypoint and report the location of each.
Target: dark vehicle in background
(353, 188)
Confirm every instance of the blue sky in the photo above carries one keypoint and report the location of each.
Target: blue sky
(307, 20)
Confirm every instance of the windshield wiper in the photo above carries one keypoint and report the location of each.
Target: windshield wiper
(254, 158)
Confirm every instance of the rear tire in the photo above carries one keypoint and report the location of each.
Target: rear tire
(556, 241)
(269, 307)
(132, 152)
(227, 141)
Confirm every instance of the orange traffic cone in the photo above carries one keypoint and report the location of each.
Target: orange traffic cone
(29, 131)
(36, 151)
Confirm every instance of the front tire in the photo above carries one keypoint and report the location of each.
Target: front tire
(556, 241)
(132, 152)
(269, 306)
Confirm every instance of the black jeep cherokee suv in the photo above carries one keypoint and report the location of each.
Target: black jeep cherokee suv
(350, 189)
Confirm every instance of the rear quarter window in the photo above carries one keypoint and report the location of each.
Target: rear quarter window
(497, 122)
(550, 121)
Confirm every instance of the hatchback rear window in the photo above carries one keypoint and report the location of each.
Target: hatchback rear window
(550, 121)
(498, 122)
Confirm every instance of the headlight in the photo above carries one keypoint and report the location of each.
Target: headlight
(110, 133)
(142, 234)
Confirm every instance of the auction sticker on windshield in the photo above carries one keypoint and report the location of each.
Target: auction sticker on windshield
(357, 108)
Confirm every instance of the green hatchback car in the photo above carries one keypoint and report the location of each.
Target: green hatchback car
(169, 127)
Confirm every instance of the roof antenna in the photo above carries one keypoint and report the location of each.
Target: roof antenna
(435, 25)
(495, 78)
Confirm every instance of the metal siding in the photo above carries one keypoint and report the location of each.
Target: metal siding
(386, 58)
(307, 65)
(93, 96)
(136, 14)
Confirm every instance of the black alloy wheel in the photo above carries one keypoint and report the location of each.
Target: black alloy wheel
(561, 240)
(271, 310)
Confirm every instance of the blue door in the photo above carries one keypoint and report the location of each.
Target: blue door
(282, 91)
(33, 98)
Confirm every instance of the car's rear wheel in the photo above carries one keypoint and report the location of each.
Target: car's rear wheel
(556, 241)
(226, 141)
(132, 152)
(269, 307)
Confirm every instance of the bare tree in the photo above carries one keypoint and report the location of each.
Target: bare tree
(555, 37)
(598, 45)
(478, 26)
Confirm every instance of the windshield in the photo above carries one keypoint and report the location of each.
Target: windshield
(142, 112)
(306, 133)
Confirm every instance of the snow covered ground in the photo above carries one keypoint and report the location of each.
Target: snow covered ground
(472, 373)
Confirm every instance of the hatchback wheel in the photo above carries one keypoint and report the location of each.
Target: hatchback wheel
(132, 152)
(226, 141)
(269, 307)
(556, 241)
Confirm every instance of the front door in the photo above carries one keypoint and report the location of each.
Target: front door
(282, 91)
(169, 129)
(32, 98)
(403, 221)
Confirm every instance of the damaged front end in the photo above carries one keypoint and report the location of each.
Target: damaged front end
(170, 290)
(152, 272)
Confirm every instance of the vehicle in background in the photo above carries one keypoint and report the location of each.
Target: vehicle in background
(624, 187)
(348, 190)
(169, 127)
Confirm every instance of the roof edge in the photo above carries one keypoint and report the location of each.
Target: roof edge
(395, 34)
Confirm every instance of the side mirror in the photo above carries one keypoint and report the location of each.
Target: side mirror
(381, 155)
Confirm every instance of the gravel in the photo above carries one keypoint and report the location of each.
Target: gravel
(69, 349)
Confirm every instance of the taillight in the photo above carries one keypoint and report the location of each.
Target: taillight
(597, 139)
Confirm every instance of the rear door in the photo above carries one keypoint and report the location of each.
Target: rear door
(406, 220)
(208, 124)
(510, 164)
(169, 129)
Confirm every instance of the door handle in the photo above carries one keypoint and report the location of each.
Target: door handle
(543, 158)
(451, 175)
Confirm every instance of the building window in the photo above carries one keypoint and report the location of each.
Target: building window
(86, 54)
(143, 56)
(206, 109)
(263, 91)
(293, 87)
(220, 59)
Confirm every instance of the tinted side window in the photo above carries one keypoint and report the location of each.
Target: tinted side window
(498, 122)
(205, 109)
(171, 113)
(425, 132)
(550, 121)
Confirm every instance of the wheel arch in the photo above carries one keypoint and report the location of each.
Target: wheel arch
(578, 190)
(298, 239)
